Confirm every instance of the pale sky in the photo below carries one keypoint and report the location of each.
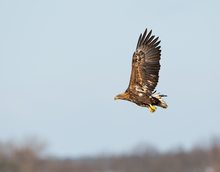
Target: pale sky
(63, 61)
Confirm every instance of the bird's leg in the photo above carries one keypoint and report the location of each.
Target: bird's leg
(152, 108)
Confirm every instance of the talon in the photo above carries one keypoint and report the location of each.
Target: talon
(152, 108)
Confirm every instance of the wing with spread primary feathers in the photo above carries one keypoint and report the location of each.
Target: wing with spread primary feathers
(145, 64)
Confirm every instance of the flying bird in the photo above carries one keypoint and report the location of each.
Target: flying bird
(145, 74)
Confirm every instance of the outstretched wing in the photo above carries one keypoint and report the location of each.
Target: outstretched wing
(145, 64)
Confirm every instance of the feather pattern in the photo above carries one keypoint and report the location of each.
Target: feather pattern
(145, 74)
(145, 64)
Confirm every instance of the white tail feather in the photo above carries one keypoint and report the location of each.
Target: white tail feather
(162, 102)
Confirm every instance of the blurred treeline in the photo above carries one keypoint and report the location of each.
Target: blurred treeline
(29, 157)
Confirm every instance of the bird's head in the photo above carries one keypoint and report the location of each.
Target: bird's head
(122, 96)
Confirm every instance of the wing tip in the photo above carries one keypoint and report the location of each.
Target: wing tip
(147, 38)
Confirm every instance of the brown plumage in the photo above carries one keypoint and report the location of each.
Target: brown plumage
(145, 74)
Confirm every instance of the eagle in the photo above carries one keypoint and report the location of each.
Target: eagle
(145, 74)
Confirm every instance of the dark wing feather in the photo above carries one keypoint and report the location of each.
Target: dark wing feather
(145, 64)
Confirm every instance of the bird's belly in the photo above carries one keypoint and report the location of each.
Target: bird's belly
(143, 101)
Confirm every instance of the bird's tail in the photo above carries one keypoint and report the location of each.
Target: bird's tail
(161, 103)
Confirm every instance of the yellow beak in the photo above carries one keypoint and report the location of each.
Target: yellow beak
(116, 98)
